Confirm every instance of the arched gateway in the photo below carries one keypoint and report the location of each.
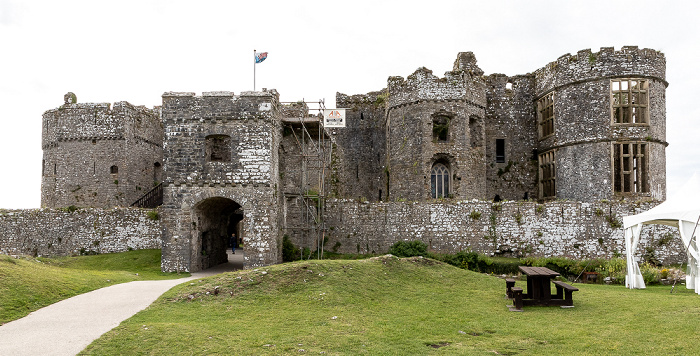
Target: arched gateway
(221, 178)
(217, 221)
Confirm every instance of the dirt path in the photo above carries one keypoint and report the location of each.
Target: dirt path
(67, 327)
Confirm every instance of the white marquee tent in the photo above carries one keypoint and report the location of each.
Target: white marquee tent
(682, 211)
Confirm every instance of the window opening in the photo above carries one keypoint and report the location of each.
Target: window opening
(218, 148)
(547, 173)
(500, 150)
(440, 181)
(476, 132)
(441, 124)
(630, 166)
(630, 98)
(545, 115)
(114, 169)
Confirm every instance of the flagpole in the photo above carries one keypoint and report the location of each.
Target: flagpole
(254, 60)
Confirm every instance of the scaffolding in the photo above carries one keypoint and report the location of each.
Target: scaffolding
(315, 151)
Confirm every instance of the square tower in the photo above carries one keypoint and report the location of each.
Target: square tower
(220, 178)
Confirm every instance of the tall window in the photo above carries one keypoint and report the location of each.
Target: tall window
(218, 148)
(630, 98)
(476, 131)
(500, 150)
(545, 115)
(547, 175)
(441, 125)
(440, 181)
(630, 167)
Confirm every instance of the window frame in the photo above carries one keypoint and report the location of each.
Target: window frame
(636, 106)
(545, 116)
(547, 173)
(441, 181)
(630, 171)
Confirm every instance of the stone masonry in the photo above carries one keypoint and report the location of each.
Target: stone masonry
(543, 163)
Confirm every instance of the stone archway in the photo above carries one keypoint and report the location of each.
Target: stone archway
(215, 220)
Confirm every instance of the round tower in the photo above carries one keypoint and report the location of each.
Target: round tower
(602, 125)
(435, 133)
(95, 155)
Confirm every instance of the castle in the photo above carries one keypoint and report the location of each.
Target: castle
(423, 158)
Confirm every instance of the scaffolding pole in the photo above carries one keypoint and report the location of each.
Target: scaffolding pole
(314, 161)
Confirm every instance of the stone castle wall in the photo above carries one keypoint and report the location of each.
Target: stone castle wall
(584, 132)
(411, 147)
(54, 232)
(359, 153)
(510, 116)
(99, 156)
(513, 229)
(205, 186)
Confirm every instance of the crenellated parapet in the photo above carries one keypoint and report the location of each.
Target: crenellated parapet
(423, 86)
(586, 65)
(220, 105)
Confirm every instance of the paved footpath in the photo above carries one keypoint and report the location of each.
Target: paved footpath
(67, 327)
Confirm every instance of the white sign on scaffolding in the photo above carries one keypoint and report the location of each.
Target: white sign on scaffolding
(334, 118)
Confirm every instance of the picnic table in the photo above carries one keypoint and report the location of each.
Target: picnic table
(539, 290)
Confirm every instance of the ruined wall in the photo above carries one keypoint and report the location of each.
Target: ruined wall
(412, 149)
(584, 131)
(99, 156)
(510, 116)
(358, 162)
(55, 232)
(221, 152)
(570, 229)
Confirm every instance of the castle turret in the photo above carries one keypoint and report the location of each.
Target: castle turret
(602, 125)
(435, 133)
(98, 155)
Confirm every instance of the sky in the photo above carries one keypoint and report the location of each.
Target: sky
(110, 51)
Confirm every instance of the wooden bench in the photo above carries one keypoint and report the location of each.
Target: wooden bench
(564, 292)
(517, 293)
(510, 283)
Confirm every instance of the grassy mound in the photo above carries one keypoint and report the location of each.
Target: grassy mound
(387, 305)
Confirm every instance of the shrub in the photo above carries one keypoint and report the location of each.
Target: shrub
(289, 251)
(409, 248)
(153, 215)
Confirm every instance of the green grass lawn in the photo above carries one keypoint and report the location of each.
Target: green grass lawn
(392, 306)
(28, 284)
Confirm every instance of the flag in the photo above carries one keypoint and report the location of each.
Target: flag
(259, 57)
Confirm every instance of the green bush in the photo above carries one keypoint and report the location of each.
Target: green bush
(409, 248)
(289, 251)
(479, 263)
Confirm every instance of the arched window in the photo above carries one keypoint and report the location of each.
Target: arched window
(439, 181)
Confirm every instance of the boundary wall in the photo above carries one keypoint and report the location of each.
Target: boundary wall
(511, 229)
(54, 232)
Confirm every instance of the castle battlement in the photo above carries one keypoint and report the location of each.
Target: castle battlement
(607, 63)
(220, 105)
(422, 85)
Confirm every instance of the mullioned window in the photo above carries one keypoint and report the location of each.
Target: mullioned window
(630, 167)
(545, 115)
(630, 101)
